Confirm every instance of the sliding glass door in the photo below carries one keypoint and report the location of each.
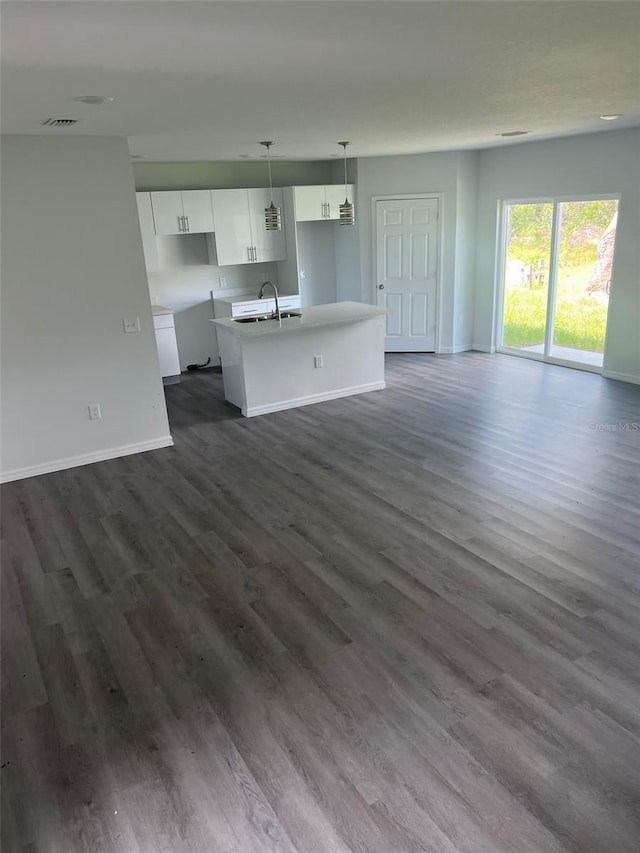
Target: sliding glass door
(557, 265)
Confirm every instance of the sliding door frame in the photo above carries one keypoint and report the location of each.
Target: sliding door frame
(556, 227)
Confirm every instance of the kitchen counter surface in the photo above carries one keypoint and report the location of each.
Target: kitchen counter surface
(157, 310)
(312, 318)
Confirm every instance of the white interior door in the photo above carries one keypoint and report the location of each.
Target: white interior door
(407, 271)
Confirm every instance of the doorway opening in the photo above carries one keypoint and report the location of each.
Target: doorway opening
(556, 277)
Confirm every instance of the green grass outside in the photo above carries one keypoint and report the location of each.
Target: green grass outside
(580, 318)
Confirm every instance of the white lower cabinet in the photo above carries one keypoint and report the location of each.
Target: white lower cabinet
(240, 235)
(167, 345)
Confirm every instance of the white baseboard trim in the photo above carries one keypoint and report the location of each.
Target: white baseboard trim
(453, 350)
(281, 405)
(621, 377)
(482, 348)
(84, 459)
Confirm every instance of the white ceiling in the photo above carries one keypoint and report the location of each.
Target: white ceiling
(207, 80)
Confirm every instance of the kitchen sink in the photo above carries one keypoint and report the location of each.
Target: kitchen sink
(260, 318)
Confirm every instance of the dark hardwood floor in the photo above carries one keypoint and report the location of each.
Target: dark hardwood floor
(405, 621)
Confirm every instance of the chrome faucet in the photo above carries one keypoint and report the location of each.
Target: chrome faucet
(275, 293)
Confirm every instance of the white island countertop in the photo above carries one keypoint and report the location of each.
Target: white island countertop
(333, 314)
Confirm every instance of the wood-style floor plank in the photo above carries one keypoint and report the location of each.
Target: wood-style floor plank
(404, 622)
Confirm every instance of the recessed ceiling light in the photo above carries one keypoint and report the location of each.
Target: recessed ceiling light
(611, 116)
(94, 100)
(513, 133)
(139, 156)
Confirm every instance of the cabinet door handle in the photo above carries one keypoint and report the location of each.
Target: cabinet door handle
(255, 254)
(249, 253)
(180, 224)
(186, 223)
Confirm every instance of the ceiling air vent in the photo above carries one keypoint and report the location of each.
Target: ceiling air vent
(59, 122)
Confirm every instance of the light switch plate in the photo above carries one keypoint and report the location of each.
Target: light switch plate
(131, 325)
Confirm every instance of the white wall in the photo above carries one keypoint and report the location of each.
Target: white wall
(72, 269)
(317, 262)
(347, 241)
(228, 175)
(593, 164)
(424, 174)
(465, 256)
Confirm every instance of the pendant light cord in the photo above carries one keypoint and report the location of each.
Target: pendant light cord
(269, 165)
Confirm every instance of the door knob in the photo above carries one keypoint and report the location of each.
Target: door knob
(381, 287)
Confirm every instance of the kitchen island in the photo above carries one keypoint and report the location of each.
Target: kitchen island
(329, 351)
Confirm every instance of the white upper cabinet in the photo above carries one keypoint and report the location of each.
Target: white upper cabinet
(167, 212)
(320, 202)
(268, 245)
(198, 211)
(334, 196)
(232, 226)
(147, 232)
(186, 212)
(240, 233)
(310, 203)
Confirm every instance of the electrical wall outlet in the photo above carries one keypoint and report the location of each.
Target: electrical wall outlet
(317, 361)
(223, 282)
(94, 411)
(131, 325)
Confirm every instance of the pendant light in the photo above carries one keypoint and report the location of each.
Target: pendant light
(272, 214)
(347, 211)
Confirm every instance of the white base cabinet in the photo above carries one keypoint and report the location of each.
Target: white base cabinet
(168, 358)
(267, 367)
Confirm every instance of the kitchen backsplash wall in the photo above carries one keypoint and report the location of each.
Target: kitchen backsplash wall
(186, 289)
